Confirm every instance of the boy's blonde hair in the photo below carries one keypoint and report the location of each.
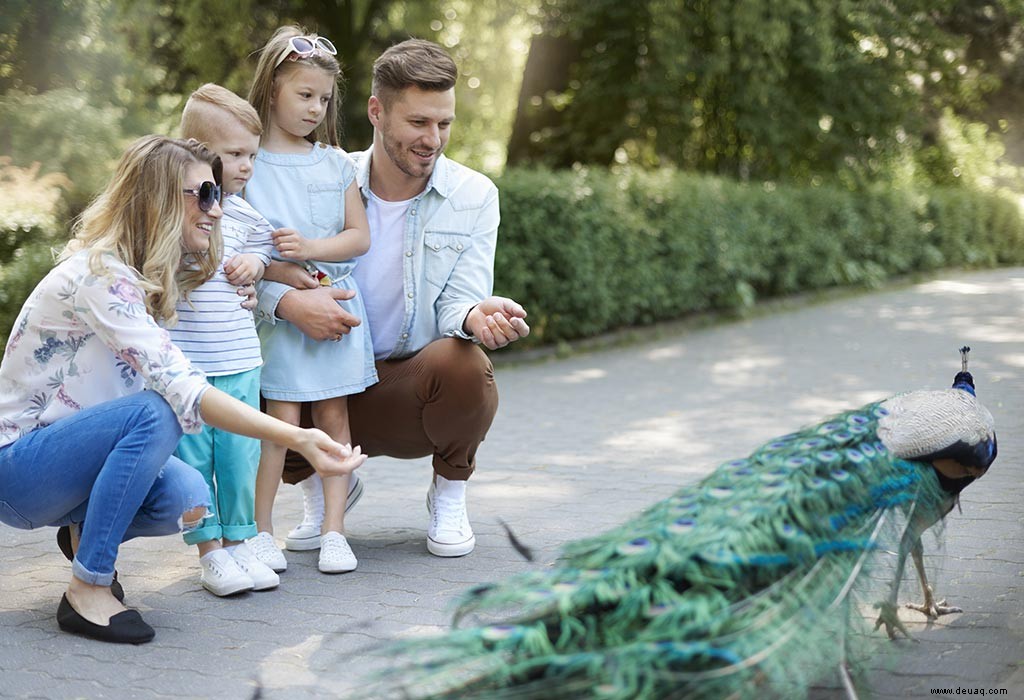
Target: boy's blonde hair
(208, 106)
(140, 216)
(267, 73)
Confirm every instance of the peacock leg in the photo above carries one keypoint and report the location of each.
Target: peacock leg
(888, 610)
(929, 607)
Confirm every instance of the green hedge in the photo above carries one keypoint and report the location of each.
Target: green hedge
(588, 251)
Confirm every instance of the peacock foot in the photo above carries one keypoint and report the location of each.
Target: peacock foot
(930, 608)
(889, 616)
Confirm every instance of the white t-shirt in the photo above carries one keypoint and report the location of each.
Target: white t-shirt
(379, 272)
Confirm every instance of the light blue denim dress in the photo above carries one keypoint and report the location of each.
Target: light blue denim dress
(307, 192)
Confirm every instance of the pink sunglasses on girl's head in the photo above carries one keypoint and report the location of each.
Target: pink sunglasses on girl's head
(304, 47)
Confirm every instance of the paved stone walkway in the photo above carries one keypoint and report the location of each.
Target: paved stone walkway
(579, 445)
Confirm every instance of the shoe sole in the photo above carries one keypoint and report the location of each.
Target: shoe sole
(336, 571)
(461, 549)
(305, 544)
(227, 593)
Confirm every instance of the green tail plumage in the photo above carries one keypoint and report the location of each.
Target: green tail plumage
(731, 587)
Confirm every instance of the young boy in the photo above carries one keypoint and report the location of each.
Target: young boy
(218, 335)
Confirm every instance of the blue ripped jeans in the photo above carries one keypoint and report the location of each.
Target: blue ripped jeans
(109, 466)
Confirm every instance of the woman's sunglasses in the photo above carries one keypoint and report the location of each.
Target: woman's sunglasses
(304, 47)
(207, 193)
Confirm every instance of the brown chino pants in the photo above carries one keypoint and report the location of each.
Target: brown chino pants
(439, 402)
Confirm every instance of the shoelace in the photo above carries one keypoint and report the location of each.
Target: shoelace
(448, 515)
(262, 547)
(332, 547)
(312, 510)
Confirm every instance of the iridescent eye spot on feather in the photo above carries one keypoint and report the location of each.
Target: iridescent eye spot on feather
(773, 488)
(720, 492)
(868, 450)
(736, 464)
(858, 429)
(828, 456)
(813, 443)
(880, 412)
(796, 462)
(681, 525)
(841, 436)
(637, 546)
(855, 456)
(499, 633)
(841, 475)
(827, 428)
(743, 472)
(788, 531)
(817, 483)
(858, 419)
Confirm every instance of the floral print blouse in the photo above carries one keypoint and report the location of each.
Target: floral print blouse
(82, 339)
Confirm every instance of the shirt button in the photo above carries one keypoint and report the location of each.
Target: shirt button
(437, 247)
(408, 253)
(404, 336)
(410, 295)
(413, 212)
(458, 247)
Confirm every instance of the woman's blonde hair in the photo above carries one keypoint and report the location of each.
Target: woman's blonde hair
(268, 71)
(140, 217)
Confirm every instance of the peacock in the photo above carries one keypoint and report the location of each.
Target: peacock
(737, 586)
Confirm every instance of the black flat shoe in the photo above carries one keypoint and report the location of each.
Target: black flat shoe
(126, 627)
(64, 542)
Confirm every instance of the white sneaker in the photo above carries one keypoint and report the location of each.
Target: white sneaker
(266, 550)
(449, 533)
(263, 577)
(306, 535)
(221, 575)
(336, 556)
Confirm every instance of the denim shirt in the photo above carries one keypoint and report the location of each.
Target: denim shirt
(448, 266)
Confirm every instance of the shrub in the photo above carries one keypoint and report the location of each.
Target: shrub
(590, 250)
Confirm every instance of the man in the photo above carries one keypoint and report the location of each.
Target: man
(427, 284)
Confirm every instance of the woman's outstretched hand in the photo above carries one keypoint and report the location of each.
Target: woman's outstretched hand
(328, 457)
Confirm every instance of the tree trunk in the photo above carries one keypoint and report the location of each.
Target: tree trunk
(547, 71)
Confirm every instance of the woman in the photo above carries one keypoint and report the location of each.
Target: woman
(81, 443)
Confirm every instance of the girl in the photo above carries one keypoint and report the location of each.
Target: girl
(306, 188)
(81, 443)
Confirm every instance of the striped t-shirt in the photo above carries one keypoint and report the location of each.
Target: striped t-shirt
(213, 330)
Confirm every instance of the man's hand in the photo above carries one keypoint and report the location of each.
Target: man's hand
(243, 269)
(291, 244)
(292, 274)
(496, 322)
(316, 312)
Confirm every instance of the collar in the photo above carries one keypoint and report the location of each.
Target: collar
(440, 179)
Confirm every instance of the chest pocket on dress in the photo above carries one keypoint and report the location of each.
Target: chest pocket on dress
(441, 251)
(327, 206)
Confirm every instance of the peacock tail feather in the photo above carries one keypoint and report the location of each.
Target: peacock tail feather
(729, 588)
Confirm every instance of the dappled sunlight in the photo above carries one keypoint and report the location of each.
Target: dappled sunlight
(668, 352)
(662, 434)
(577, 377)
(1012, 359)
(960, 287)
(287, 667)
(821, 406)
(742, 371)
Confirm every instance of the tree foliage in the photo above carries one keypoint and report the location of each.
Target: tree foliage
(753, 88)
